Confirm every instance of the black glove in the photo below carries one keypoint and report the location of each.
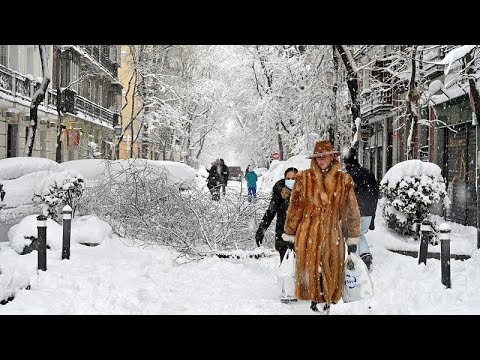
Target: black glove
(352, 248)
(291, 245)
(259, 237)
(372, 223)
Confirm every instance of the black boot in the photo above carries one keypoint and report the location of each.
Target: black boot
(326, 309)
(314, 307)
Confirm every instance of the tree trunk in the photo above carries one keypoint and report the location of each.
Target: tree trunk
(58, 152)
(280, 143)
(413, 97)
(58, 149)
(352, 83)
(334, 90)
(38, 96)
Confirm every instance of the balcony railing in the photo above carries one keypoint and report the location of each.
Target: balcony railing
(19, 86)
(379, 100)
(96, 111)
(99, 57)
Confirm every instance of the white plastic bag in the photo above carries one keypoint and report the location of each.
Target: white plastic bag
(286, 274)
(357, 284)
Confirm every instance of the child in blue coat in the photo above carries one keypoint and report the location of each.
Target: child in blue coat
(251, 178)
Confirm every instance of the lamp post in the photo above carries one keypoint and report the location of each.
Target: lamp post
(118, 134)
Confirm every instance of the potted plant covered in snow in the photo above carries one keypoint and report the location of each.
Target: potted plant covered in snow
(411, 191)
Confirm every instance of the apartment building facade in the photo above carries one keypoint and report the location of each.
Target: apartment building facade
(84, 84)
(446, 134)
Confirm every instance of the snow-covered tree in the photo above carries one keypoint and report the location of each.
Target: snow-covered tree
(37, 98)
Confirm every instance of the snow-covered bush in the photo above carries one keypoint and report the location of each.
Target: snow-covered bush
(57, 190)
(141, 204)
(23, 236)
(410, 189)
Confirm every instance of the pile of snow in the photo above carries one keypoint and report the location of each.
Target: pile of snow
(90, 169)
(411, 168)
(277, 169)
(28, 227)
(202, 172)
(20, 191)
(15, 167)
(260, 171)
(89, 229)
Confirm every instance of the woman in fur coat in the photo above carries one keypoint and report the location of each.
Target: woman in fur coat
(322, 215)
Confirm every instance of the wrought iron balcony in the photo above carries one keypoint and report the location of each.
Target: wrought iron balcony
(379, 100)
(95, 111)
(18, 86)
(21, 87)
(100, 58)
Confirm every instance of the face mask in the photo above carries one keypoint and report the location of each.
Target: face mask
(289, 184)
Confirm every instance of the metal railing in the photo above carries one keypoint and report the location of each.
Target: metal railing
(96, 111)
(378, 100)
(99, 57)
(19, 86)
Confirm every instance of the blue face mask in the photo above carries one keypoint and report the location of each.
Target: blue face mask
(289, 184)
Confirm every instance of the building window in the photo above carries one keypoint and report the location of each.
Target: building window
(99, 95)
(105, 50)
(30, 54)
(65, 72)
(75, 76)
(113, 54)
(91, 90)
(4, 55)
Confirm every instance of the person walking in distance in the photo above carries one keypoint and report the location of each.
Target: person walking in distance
(251, 178)
(323, 214)
(224, 175)
(367, 192)
(278, 207)
(213, 182)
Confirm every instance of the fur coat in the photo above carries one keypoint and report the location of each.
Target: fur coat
(322, 214)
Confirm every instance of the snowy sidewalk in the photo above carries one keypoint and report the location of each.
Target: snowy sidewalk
(115, 278)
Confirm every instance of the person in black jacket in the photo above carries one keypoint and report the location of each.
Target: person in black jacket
(367, 192)
(278, 206)
(225, 174)
(214, 181)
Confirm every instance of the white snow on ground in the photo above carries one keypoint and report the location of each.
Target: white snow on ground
(120, 277)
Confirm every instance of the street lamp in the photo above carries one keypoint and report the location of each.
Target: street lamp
(118, 131)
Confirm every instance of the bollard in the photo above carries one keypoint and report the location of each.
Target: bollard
(42, 242)
(2, 192)
(425, 229)
(444, 237)
(67, 227)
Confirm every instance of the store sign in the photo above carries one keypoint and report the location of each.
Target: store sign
(366, 131)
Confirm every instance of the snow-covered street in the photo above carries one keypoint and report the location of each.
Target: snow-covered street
(116, 277)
